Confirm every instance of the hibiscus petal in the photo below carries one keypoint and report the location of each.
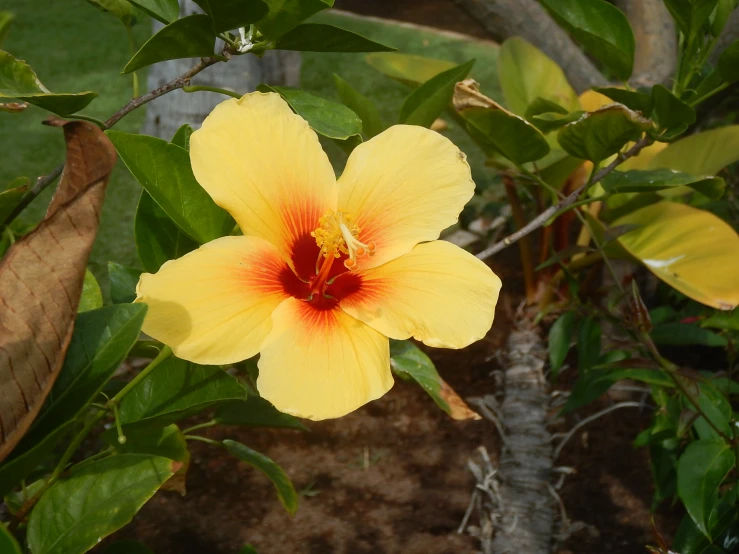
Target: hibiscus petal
(404, 186)
(213, 305)
(437, 293)
(321, 364)
(265, 166)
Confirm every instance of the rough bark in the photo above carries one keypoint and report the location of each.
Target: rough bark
(655, 58)
(528, 19)
(240, 73)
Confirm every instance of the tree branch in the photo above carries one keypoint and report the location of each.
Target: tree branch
(528, 19)
(566, 202)
(655, 58)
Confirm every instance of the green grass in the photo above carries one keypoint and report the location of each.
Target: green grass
(74, 47)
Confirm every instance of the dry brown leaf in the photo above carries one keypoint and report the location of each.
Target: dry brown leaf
(467, 95)
(41, 280)
(458, 408)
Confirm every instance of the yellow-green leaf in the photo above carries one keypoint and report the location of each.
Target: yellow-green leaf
(406, 68)
(704, 153)
(691, 250)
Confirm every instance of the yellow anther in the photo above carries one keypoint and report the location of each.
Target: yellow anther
(337, 234)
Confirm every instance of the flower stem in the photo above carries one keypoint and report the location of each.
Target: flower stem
(205, 88)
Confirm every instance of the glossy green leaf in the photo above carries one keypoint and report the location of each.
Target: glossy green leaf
(15, 499)
(100, 342)
(704, 153)
(5, 19)
(123, 281)
(158, 238)
(182, 136)
(548, 122)
(92, 296)
(409, 69)
(227, 15)
(255, 412)
(686, 334)
(635, 100)
(163, 169)
(372, 123)
(327, 118)
(700, 471)
(690, 15)
(189, 37)
(284, 15)
(497, 129)
(177, 389)
(319, 37)
(541, 106)
(17, 80)
(128, 547)
(689, 539)
(426, 103)
(285, 490)
(602, 133)
(588, 344)
(652, 180)
(122, 9)
(8, 544)
(27, 456)
(601, 28)
(691, 250)
(672, 115)
(526, 73)
(165, 11)
(728, 63)
(560, 336)
(167, 442)
(10, 198)
(93, 502)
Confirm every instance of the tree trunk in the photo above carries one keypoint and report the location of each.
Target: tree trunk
(241, 74)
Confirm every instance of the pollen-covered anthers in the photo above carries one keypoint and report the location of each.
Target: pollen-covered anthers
(337, 235)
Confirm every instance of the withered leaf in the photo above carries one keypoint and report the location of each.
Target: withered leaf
(458, 408)
(41, 280)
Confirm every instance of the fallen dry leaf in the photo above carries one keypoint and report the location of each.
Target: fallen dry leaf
(41, 280)
(458, 408)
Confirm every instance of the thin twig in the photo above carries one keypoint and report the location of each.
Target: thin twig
(568, 201)
(41, 183)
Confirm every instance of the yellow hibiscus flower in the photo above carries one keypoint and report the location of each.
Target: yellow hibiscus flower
(326, 271)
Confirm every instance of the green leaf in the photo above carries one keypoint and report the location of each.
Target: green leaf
(164, 11)
(635, 100)
(100, 342)
(283, 15)
(672, 115)
(560, 336)
(319, 37)
(728, 63)
(704, 153)
(726, 320)
(717, 409)
(227, 15)
(17, 80)
(15, 499)
(5, 19)
(128, 547)
(372, 123)
(122, 9)
(182, 136)
(163, 169)
(548, 122)
(330, 119)
(652, 180)
(600, 134)
(601, 28)
(123, 281)
(285, 490)
(700, 471)
(10, 198)
(158, 238)
(177, 389)
(690, 15)
(92, 296)
(189, 37)
(683, 334)
(427, 102)
(526, 73)
(408, 69)
(167, 442)
(691, 540)
(255, 412)
(98, 499)
(27, 456)
(8, 544)
(541, 106)
(588, 344)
